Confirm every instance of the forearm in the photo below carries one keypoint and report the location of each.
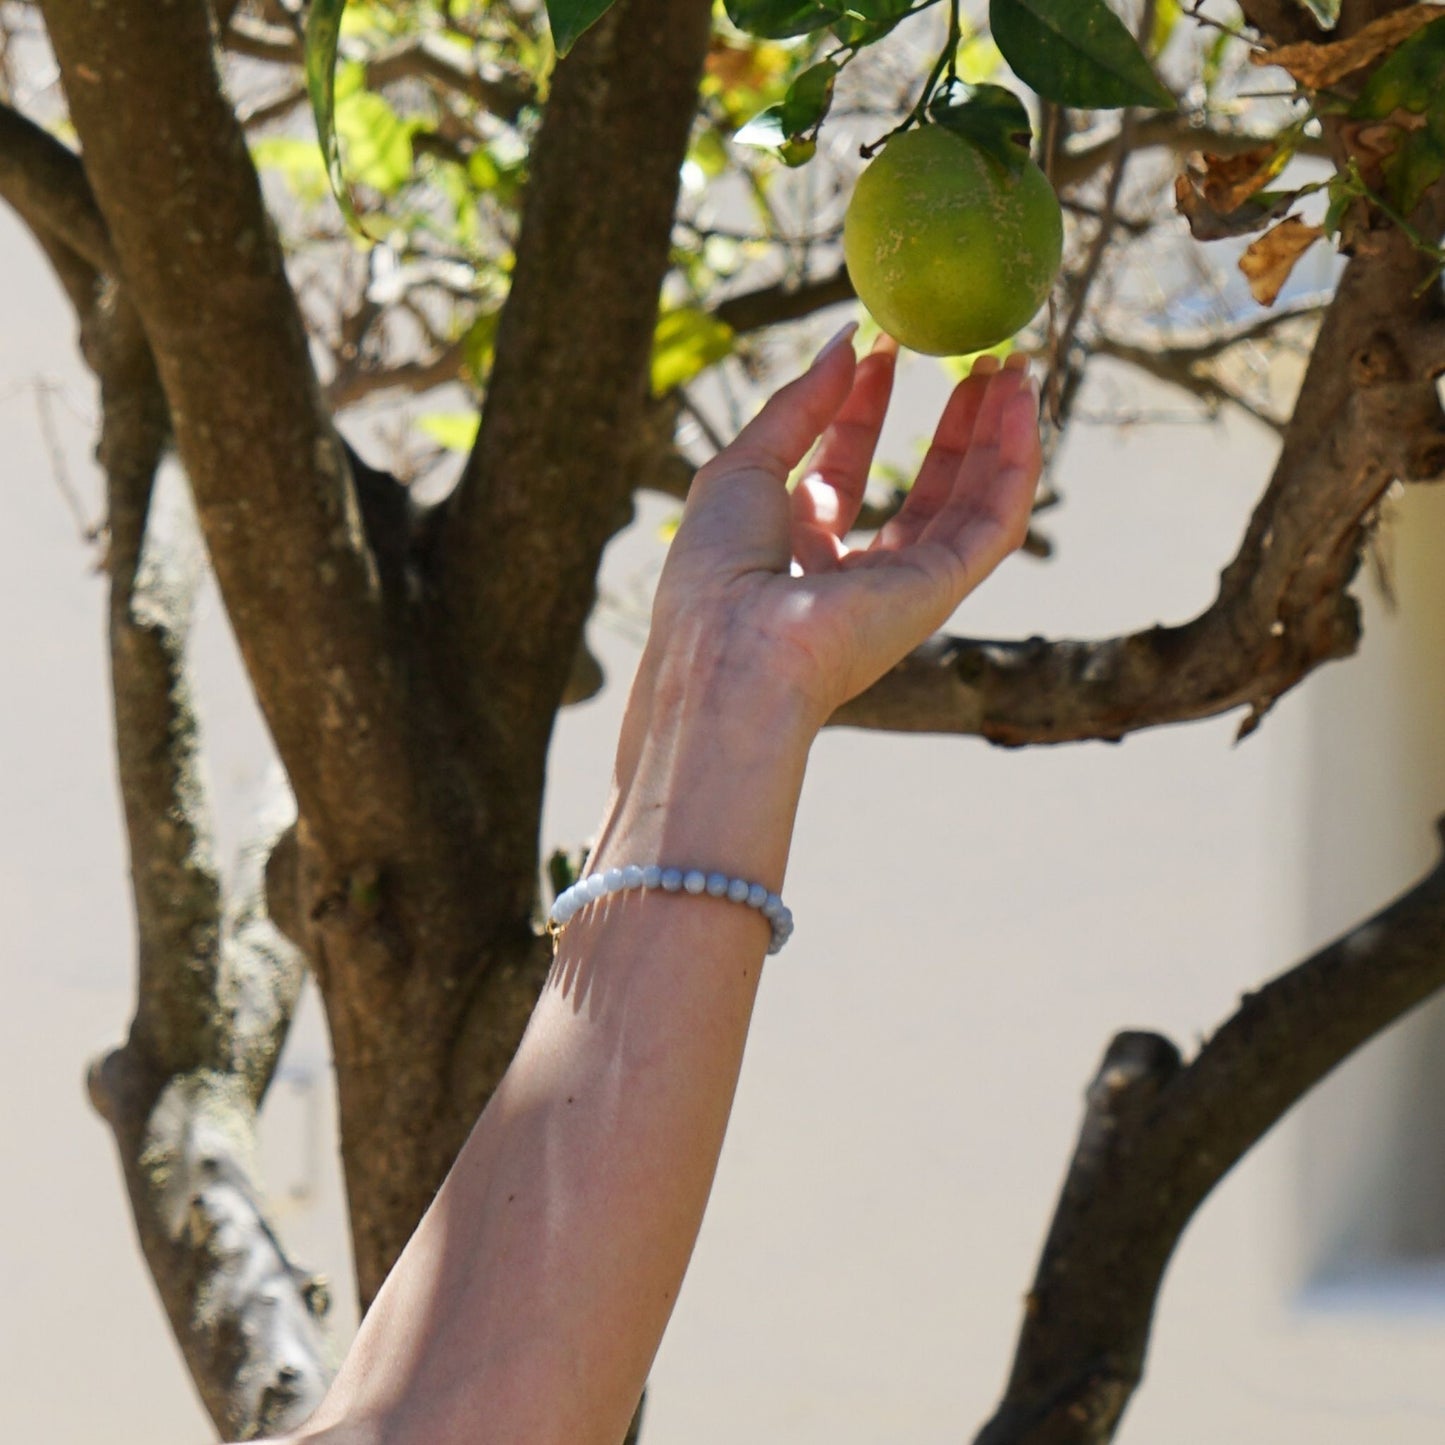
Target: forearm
(530, 1303)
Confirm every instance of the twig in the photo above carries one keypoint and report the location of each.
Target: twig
(45, 393)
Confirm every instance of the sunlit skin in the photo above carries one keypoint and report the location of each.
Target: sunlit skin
(528, 1305)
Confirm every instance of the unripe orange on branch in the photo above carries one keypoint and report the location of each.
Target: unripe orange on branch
(951, 251)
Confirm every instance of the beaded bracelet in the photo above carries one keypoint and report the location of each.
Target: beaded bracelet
(673, 880)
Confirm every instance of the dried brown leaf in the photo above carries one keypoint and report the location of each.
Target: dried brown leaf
(1227, 182)
(1269, 260)
(1319, 66)
(1219, 202)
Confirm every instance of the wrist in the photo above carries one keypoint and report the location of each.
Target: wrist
(695, 674)
(709, 770)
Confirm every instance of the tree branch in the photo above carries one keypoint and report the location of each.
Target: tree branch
(1366, 413)
(423, 57)
(1281, 21)
(216, 984)
(46, 185)
(426, 58)
(353, 384)
(564, 421)
(772, 305)
(202, 266)
(1185, 366)
(1157, 1137)
(1173, 133)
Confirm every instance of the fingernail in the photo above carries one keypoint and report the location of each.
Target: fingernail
(836, 342)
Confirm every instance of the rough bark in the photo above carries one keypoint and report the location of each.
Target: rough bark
(215, 983)
(1158, 1135)
(170, 171)
(550, 478)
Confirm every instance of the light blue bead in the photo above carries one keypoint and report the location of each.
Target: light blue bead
(671, 880)
(757, 895)
(612, 880)
(594, 887)
(773, 906)
(632, 876)
(651, 876)
(785, 919)
(717, 885)
(738, 890)
(694, 880)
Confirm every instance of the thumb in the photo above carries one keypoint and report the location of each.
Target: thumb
(739, 497)
(779, 436)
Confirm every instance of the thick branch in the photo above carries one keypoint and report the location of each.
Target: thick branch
(170, 171)
(423, 57)
(354, 384)
(1366, 413)
(549, 479)
(1157, 1138)
(215, 985)
(46, 185)
(772, 305)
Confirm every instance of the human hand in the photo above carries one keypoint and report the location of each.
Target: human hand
(729, 597)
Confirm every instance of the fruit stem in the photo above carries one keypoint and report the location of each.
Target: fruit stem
(947, 61)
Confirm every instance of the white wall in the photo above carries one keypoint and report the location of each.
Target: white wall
(973, 925)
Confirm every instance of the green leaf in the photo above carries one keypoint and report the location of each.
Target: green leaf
(1166, 21)
(1325, 12)
(978, 59)
(871, 20)
(1408, 79)
(454, 430)
(323, 31)
(1415, 167)
(992, 117)
(765, 130)
(777, 19)
(687, 341)
(378, 141)
(569, 18)
(479, 344)
(808, 99)
(789, 129)
(1212, 68)
(298, 161)
(1076, 52)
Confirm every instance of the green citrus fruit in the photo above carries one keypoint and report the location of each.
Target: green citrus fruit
(949, 251)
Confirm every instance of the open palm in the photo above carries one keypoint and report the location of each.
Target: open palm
(841, 617)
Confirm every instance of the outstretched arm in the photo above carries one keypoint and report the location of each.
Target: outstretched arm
(528, 1305)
